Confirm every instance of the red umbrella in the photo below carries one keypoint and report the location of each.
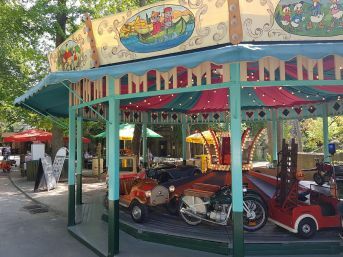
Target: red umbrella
(29, 135)
(35, 135)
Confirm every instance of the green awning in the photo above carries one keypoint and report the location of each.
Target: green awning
(126, 132)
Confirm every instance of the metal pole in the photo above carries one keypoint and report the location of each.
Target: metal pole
(107, 137)
(145, 145)
(184, 145)
(236, 161)
(274, 138)
(325, 132)
(79, 161)
(71, 169)
(113, 171)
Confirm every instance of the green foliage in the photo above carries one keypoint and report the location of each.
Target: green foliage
(312, 130)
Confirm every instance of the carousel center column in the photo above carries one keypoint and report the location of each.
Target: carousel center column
(236, 160)
(113, 171)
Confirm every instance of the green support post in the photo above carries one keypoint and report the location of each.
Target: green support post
(71, 168)
(274, 138)
(113, 171)
(236, 161)
(325, 132)
(145, 144)
(79, 161)
(107, 137)
(184, 144)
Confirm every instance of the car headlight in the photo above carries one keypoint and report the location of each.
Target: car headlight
(171, 188)
(245, 189)
(148, 194)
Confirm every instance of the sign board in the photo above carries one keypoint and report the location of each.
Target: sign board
(37, 151)
(48, 180)
(181, 25)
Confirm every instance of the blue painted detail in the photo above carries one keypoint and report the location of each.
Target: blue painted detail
(113, 151)
(72, 141)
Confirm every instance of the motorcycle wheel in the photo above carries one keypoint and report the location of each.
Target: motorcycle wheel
(318, 179)
(188, 218)
(258, 217)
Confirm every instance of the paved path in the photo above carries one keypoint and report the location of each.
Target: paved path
(33, 235)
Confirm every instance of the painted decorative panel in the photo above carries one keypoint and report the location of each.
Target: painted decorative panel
(291, 20)
(180, 25)
(73, 54)
(159, 29)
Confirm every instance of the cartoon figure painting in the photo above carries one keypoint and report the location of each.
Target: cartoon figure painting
(168, 17)
(156, 22)
(157, 28)
(69, 56)
(297, 17)
(336, 13)
(286, 15)
(312, 18)
(317, 15)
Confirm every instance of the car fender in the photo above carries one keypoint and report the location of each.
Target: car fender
(301, 217)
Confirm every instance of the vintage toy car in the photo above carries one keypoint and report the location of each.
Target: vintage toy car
(140, 194)
(137, 192)
(173, 173)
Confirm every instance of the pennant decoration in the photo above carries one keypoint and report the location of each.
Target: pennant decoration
(249, 114)
(205, 116)
(127, 114)
(298, 110)
(164, 115)
(154, 116)
(336, 106)
(312, 109)
(285, 112)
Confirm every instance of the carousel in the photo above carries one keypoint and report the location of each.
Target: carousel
(199, 62)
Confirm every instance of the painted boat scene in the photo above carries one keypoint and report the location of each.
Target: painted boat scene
(314, 18)
(157, 28)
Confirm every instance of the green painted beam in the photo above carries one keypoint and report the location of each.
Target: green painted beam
(274, 138)
(79, 158)
(325, 132)
(145, 144)
(236, 161)
(184, 143)
(71, 168)
(90, 103)
(107, 140)
(113, 171)
(81, 99)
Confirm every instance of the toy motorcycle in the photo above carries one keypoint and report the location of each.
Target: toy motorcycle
(325, 171)
(215, 206)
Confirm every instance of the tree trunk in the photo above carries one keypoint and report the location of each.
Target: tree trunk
(61, 20)
(142, 3)
(136, 141)
(137, 134)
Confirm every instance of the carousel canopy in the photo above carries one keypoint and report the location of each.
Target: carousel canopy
(50, 96)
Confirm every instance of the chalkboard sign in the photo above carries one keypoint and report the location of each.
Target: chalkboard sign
(50, 181)
(48, 173)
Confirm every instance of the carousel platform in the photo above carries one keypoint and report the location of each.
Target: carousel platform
(164, 228)
(271, 240)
